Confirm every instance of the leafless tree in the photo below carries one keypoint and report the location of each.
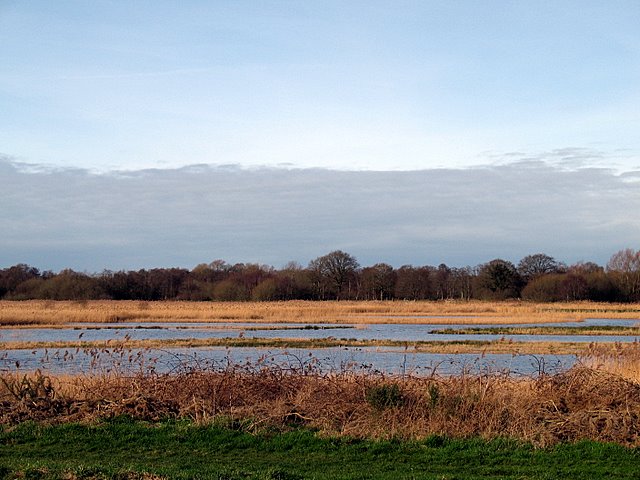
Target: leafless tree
(624, 267)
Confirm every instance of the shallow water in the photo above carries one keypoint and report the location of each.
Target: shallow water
(385, 359)
(326, 360)
(397, 332)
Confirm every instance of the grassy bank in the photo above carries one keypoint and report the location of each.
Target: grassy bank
(579, 404)
(264, 422)
(124, 449)
(37, 313)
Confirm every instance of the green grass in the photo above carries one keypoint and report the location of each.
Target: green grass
(124, 449)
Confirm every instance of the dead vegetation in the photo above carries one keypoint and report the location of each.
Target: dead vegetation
(598, 400)
(582, 403)
(481, 347)
(622, 359)
(39, 312)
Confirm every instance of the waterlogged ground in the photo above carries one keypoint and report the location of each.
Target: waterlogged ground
(384, 359)
(336, 359)
(392, 332)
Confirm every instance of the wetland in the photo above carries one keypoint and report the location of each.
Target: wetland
(392, 337)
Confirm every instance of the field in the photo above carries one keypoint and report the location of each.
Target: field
(128, 450)
(253, 421)
(38, 313)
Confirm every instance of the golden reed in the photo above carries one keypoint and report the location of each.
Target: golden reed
(61, 313)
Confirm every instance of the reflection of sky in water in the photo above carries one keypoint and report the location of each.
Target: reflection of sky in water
(388, 360)
(400, 332)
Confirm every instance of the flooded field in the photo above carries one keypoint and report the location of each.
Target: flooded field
(379, 359)
(395, 360)
(385, 331)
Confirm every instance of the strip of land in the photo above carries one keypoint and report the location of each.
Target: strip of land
(261, 422)
(563, 331)
(451, 347)
(66, 313)
(128, 450)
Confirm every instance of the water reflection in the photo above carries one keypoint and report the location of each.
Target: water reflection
(390, 360)
(326, 360)
(397, 332)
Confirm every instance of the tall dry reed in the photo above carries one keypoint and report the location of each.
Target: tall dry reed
(622, 359)
(581, 403)
(64, 312)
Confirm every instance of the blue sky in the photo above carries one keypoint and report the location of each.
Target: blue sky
(365, 85)
(508, 104)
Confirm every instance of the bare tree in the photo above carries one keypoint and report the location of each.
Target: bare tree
(499, 279)
(378, 282)
(624, 267)
(533, 266)
(334, 274)
(414, 283)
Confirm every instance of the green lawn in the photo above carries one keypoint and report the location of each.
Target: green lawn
(124, 449)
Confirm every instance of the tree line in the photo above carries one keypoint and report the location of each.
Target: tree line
(338, 276)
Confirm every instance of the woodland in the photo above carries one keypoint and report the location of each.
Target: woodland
(338, 276)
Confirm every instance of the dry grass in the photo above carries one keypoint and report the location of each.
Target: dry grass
(451, 347)
(579, 404)
(622, 359)
(37, 313)
(597, 400)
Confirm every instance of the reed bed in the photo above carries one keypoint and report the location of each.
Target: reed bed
(582, 403)
(36, 313)
(621, 359)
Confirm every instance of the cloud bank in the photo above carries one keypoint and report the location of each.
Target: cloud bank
(61, 218)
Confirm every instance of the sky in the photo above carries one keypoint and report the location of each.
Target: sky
(153, 133)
